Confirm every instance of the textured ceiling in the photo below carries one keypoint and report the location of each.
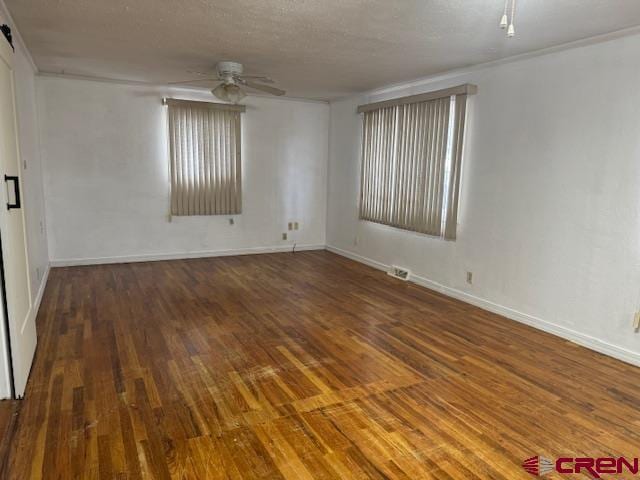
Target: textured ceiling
(313, 48)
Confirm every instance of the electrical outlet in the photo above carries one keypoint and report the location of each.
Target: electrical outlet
(284, 236)
(470, 278)
(38, 274)
(290, 226)
(295, 225)
(636, 321)
(356, 240)
(231, 221)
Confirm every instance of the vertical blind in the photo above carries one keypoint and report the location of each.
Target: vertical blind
(205, 161)
(411, 164)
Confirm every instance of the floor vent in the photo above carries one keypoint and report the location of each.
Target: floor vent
(399, 272)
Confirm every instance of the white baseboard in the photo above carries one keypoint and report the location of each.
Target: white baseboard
(72, 262)
(358, 258)
(574, 336)
(33, 312)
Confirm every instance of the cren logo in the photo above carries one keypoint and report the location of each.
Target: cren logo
(594, 466)
(538, 465)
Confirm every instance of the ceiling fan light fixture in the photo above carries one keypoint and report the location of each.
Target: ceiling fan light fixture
(229, 92)
(220, 93)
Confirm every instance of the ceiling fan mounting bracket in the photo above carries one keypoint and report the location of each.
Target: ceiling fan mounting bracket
(229, 69)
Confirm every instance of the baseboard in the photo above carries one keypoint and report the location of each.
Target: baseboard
(574, 336)
(33, 312)
(72, 262)
(358, 258)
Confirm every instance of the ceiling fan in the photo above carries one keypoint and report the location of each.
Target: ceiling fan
(232, 78)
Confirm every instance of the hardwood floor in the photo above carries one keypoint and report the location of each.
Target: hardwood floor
(8, 418)
(301, 366)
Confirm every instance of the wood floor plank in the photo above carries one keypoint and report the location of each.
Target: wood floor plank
(297, 367)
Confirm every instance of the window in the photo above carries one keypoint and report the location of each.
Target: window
(204, 151)
(412, 159)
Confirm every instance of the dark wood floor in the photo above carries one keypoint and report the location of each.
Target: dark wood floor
(8, 419)
(301, 366)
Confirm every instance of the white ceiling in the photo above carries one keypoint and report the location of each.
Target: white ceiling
(314, 48)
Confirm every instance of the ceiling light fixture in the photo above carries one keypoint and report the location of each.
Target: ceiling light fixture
(229, 92)
(505, 21)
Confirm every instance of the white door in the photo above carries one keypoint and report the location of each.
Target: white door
(12, 231)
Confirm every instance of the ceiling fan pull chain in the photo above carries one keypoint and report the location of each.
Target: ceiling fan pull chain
(504, 21)
(511, 31)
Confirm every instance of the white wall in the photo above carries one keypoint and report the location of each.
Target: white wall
(106, 174)
(549, 219)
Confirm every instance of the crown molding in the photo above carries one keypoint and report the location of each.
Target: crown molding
(449, 74)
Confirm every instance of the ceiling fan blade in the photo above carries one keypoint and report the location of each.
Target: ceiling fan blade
(258, 78)
(195, 80)
(264, 88)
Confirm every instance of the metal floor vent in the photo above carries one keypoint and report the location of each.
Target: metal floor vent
(399, 272)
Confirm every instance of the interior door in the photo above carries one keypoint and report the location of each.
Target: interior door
(12, 231)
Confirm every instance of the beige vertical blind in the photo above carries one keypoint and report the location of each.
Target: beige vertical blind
(456, 132)
(378, 151)
(205, 161)
(411, 161)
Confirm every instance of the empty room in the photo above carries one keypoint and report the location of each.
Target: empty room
(280, 239)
